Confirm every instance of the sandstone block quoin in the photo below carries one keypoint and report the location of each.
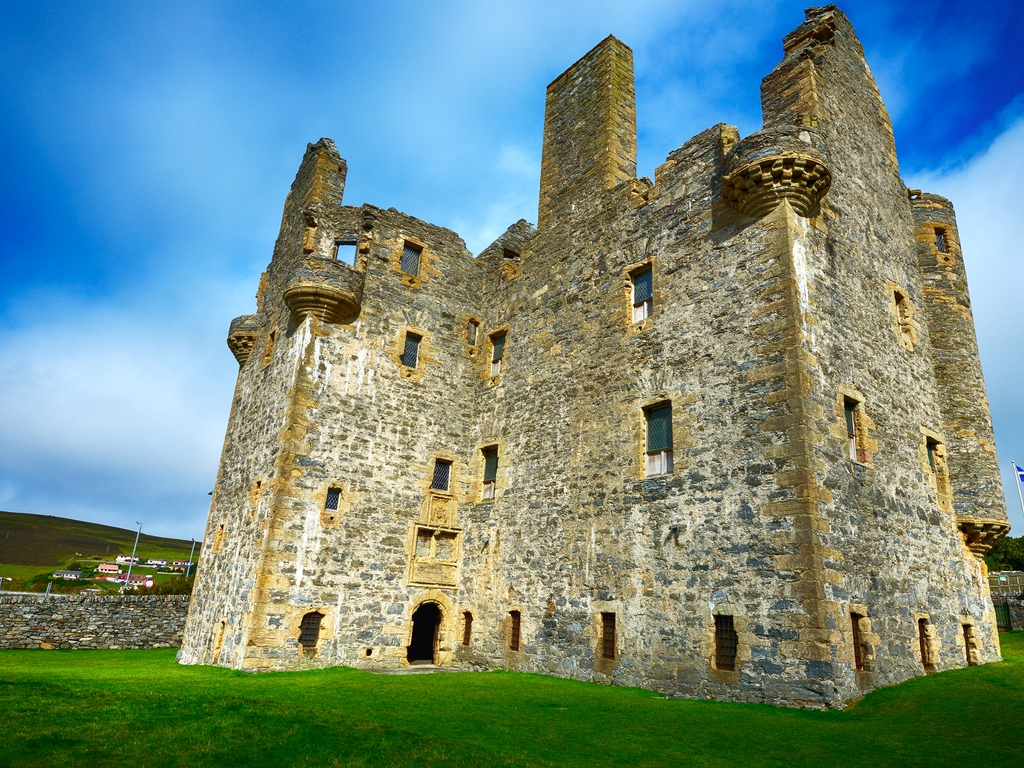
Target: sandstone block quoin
(720, 434)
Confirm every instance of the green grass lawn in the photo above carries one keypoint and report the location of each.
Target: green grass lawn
(131, 708)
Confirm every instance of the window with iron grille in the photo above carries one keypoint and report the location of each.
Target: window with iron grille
(850, 411)
(309, 629)
(410, 262)
(643, 295)
(442, 475)
(411, 355)
(940, 240)
(514, 629)
(608, 635)
(659, 440)
(490, 473)
(467, 628)
(333, 496)
(497, 352)
(858, 650)
(726, 642)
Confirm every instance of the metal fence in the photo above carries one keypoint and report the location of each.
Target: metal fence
(1006, 583)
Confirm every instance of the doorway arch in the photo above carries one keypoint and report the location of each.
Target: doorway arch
(426, 622)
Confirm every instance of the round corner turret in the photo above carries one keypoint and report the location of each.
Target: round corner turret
(783, 162)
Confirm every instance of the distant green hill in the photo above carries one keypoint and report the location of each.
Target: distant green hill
(44, 540)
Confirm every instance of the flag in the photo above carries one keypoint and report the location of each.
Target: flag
(1020, 472)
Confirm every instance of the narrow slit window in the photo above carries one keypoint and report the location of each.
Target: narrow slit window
(608, 635)
(643, 295)
(411, 355)
(497, 353)
(850, 408)
(514, 630)
(726, 642)
(333, 496)
(930, 445)
(490, 473)
(345, 252)
(940, 240)
(903, 315)
(922, 634)
(471, 332)
(659, 440)
(467, 628)
(858, 651)
(411, 259)
(309, 629)
(968, 633)
(442, 475)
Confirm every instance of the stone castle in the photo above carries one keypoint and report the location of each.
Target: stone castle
(723, 434)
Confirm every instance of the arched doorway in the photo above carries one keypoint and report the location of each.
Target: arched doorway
(425, 624)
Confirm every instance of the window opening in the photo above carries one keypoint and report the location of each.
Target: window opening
(513, 639)
(333, 495)
(497, 352)
(410, 262)
(467, 628)
(471, 332)
(922, 634)
(345, 252)
(940, 240)
(411, 355)
(309, 629)
(858, 653)
(930, 444)
(967, 643)
(659, 440)
(490, 473)
(903, 315)
(442, 475)
(608, 635)
(726, 642)
(643, 295)
(850, 406)
(510, 254)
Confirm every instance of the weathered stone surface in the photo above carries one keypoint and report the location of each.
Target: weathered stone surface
(766, 325)
(101, 621)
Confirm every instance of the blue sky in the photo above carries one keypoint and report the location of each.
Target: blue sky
(147, 149)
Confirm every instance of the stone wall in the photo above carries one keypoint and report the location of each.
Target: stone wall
(108, 621)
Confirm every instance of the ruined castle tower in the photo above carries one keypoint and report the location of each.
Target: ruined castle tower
(723, 434)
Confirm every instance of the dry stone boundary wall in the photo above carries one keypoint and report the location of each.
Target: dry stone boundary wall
(106, 622)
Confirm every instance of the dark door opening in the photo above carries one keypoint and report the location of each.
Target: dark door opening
(425, 624)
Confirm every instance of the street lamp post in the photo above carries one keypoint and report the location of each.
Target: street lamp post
(189, 569)
(128, 578)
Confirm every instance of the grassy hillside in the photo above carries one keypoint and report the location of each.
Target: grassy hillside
(46, 541)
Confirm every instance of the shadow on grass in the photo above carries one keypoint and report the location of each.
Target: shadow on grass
(114, 708)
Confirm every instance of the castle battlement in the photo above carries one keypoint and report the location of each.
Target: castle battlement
(720, 434)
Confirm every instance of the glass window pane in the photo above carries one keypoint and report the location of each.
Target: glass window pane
(490, 463)
(643, 288)
(659, 428)
(498, 342)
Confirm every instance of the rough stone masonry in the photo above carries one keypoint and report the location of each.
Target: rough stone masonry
(723, 434)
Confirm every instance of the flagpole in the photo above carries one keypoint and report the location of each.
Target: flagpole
(1016, 474)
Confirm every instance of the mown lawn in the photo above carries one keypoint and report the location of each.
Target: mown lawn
(139, 708)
